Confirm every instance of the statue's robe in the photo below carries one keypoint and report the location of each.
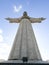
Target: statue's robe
(25, 44)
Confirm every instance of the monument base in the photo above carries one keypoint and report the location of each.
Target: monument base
(20, 62)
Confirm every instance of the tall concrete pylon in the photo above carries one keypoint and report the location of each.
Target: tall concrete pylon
(25, 45)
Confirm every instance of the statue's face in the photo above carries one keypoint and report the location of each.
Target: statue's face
(25, 14)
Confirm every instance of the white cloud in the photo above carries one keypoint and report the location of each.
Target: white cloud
(4, 47)
(1, 31)
(1, 38)
(4, 50)
(17, 9)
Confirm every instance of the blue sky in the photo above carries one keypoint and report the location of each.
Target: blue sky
(15, 9)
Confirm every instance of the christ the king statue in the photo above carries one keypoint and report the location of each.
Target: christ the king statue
(25, 45)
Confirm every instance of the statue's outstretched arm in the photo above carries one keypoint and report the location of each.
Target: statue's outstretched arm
(37, 20)
(13, 20)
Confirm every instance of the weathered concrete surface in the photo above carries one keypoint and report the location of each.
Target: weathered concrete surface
(25, 44)
(19, 62)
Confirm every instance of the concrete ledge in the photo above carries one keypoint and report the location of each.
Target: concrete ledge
(20, 62)
(24, 63)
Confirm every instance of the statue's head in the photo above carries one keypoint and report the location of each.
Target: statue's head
(25, 13)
